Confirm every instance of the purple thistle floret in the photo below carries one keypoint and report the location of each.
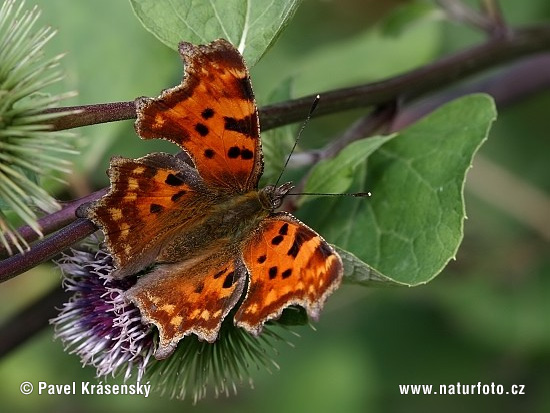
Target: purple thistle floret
(97, 323)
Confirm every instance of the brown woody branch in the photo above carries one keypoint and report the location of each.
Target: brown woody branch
(409, 86)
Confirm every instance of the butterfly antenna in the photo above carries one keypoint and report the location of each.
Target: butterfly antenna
(311, 110)
(354, 194)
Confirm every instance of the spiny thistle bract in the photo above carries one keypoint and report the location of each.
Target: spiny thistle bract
(106, 332)
(28, 149)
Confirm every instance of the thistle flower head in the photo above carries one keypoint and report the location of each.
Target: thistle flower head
(106, 332)
(28, 151)
(96, 323)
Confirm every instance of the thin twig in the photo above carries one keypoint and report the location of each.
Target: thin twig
(416, 83)
(46, 249)
(526, 78)
(458, 11)
(494, 14)
(92, 114)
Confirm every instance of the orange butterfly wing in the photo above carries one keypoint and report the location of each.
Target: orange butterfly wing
(289, 264)
(137, 214)
(211, 115)
(193, 296)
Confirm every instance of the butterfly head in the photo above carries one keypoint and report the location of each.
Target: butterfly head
(272, 196)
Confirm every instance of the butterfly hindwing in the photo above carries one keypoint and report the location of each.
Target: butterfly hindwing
(288, 264)
(193, 296)
(212, 115)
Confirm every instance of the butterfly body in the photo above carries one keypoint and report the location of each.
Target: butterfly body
(202, 236)
(225, 219)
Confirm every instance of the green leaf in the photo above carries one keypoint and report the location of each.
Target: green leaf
(335, 176)
(413, 224)
(358, 272)
(252, 26)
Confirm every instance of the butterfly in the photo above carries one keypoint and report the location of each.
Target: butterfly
(205, 238)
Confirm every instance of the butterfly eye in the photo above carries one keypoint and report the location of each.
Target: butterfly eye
(266, 197)
(276, 202)
(271, 196)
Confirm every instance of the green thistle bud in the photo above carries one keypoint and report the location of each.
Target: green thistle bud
(29, 150)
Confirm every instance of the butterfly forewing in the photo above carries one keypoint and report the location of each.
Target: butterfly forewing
(212, 115)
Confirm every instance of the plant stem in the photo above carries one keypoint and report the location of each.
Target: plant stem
(494, 14)
(92, 114)
(416, 83)
(409, 86)
(459, 11)
(46, 249)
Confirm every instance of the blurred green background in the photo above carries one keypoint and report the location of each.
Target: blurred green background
(484, 319)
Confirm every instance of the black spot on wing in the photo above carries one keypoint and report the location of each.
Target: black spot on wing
(178, 195)
(277, 240)
(228, 282)
(207, 113)
(286, 273)
(244, 125)
(202, 129)
(174, 180)
(234, 152)
(302, 235)
(209, 153)
(261, 259)
(155, 208)
(247, 154)
(272, 272)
